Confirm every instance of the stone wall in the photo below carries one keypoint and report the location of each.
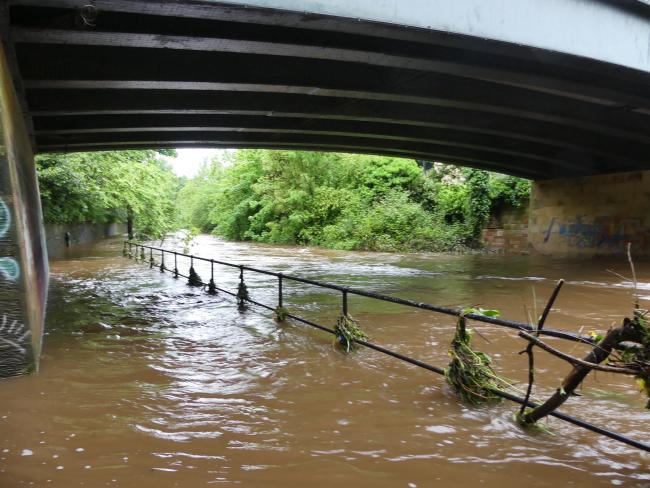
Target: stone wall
(79, 234)
(507, 231)
(591, 216)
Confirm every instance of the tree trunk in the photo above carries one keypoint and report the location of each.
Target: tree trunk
(129, 222)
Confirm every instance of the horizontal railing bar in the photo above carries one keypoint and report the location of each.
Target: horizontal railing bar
(576, 421)
(421, 364)
(561, 334)
(500, 393)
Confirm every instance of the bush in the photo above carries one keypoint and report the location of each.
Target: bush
(104, 187)
(342, 201)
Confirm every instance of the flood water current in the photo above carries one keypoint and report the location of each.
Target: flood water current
(146, 382)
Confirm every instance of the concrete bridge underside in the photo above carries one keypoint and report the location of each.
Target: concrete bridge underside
(535, 89)
(538, 89)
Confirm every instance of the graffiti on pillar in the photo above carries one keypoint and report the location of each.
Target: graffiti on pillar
(9, 268)
(603, 232)
(13, 334)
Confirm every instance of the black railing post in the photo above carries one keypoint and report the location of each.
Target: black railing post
(162, 261)
(280, 298)
(175, 265)
(143, 258)
(151, 263)
(242, 291)
(345, 303)
(212, 288)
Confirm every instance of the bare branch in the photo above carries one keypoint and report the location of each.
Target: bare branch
(529, 348)
(629, 258)
(576, 361)
(629, 331)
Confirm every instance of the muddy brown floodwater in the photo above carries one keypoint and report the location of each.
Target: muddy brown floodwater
(147, 383)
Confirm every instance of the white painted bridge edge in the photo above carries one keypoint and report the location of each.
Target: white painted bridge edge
(593, 29)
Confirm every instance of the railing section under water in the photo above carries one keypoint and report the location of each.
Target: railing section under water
(129, 248)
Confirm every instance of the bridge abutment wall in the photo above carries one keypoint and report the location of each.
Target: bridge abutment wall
(81, 233)
(591, 216)
(23, 256)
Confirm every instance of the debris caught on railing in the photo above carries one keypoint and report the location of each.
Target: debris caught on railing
(194, 278)
(470, 372)
(630, 331)
(280, 314)
(242, 291)
(612, 347)
(348, 332)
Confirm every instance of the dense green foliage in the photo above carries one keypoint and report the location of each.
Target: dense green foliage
(104, 187)
(344, 201)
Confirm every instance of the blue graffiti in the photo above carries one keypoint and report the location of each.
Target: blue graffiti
(5, 218)
(603, 232)
(13, 334)
(9, 268)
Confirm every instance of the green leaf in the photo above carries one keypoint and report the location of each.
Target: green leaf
(490, 313)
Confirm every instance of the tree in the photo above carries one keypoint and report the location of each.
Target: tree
(343, 201)
(104, 187)
(479, 203)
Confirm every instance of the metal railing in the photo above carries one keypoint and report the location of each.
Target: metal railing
(345, 291)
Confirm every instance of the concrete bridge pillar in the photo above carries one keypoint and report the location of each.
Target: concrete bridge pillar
(23, 257)
(591, 216)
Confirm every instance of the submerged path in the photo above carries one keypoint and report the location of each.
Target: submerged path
(148, 382)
